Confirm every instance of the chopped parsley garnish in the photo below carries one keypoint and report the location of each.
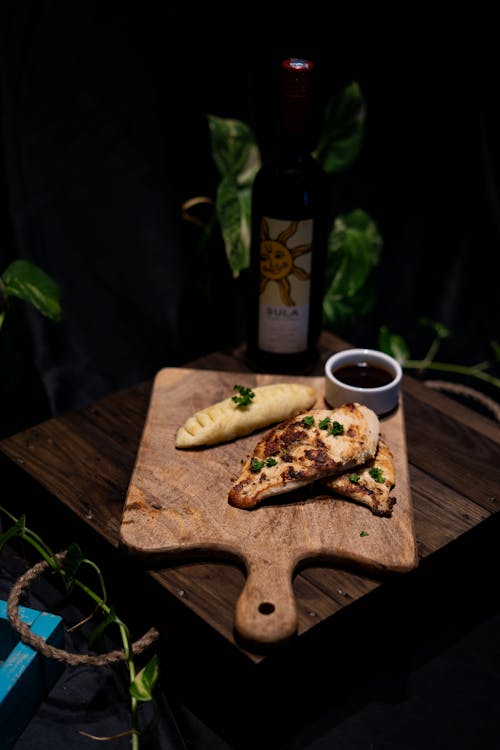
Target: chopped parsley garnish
(257, 465)
(354, 478)
(245, 397)
(376, 474)
(363, 533)
(336, 429)
(308, 421)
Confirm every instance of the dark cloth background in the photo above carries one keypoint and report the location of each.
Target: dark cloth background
(90, 192)
(104, 135)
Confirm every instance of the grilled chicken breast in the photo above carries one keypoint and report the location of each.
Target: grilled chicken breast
(310, 446)
(370, 484)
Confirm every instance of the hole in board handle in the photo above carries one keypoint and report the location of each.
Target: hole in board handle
(266, 608)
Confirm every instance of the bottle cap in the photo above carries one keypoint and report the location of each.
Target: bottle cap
(297, 77)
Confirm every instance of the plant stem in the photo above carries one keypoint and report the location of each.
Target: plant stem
(420, 364)
(129, 657)
(433, 349)
(45, 552)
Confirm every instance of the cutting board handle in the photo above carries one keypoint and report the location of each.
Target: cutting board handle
(266, 611)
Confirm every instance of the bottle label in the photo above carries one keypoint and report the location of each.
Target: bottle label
(285, 285)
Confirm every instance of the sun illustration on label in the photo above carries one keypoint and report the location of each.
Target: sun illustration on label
(277, 261)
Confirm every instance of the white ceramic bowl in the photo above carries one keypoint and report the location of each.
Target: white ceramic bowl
(380, 398)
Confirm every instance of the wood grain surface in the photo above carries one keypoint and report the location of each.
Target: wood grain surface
(176, 507)
(84, 460)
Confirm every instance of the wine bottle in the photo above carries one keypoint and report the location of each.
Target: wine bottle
(288, 237)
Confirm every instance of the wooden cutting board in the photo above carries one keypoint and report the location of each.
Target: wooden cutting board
(176, 507)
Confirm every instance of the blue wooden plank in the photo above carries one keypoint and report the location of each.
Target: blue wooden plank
(26, 676)
(8, 636)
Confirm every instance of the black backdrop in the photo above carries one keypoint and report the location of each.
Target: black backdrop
(104, 135)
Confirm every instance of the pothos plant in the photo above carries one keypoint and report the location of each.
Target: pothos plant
(396, 345)
(26, 281)
(22, 281)
(72, 573)
(354, 241)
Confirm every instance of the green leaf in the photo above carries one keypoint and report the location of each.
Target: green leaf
(17, 529)
(72, 561)
(144, 683)
(234, 209)
(237, 158)
(343, 129)
(111, 619)
(393, 344)
(496, 349)
(26, 281)
(338, 313)
(439, 329)
(234, 149)
(354, 247)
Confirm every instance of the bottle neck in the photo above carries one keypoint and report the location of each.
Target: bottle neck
(296, 106)
(294, 148)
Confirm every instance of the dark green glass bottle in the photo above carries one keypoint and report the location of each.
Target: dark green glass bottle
(288, 237)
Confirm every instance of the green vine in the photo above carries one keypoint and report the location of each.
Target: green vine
(142, 683)
(395, 345)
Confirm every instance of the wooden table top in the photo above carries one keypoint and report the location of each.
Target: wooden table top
(85, 460)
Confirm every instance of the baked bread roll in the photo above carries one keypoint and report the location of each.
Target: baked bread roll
(227, 420)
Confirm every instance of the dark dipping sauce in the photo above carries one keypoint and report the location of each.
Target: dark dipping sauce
(363, 375)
